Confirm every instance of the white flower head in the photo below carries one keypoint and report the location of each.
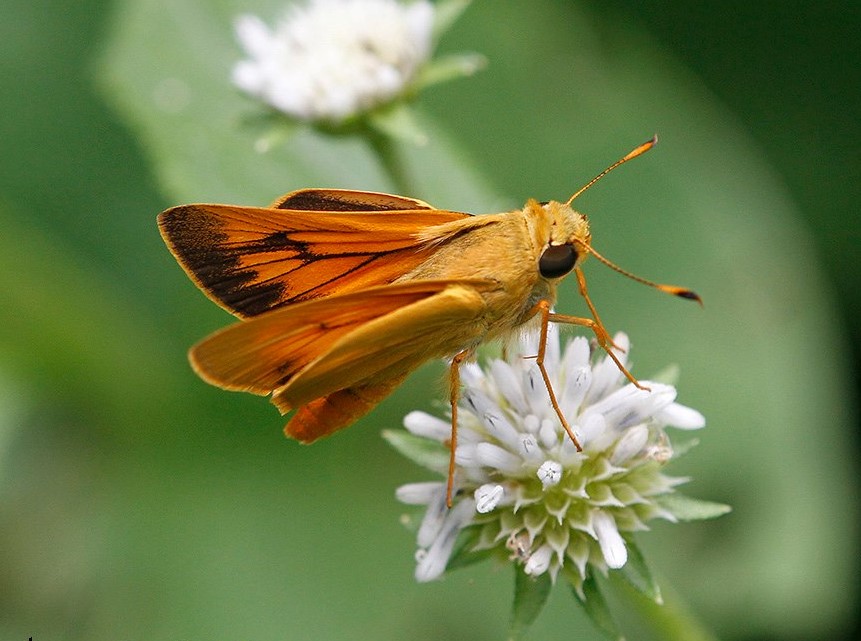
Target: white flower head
(521, 486)
(329, 60)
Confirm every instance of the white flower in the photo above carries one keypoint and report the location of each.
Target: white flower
(332, 59)
(522, 486)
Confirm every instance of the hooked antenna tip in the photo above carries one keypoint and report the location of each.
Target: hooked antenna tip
(689, 295)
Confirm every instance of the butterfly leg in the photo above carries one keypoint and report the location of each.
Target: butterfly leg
(595, 324)
(454, 397)
(543, 308)
(603, 336)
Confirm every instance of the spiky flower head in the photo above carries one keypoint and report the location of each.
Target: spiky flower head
(523, 491)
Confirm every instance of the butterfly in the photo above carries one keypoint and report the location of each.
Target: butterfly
(342, 294)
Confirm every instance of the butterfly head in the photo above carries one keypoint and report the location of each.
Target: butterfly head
(567, 238)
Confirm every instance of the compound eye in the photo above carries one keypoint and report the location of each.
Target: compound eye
(557, 260)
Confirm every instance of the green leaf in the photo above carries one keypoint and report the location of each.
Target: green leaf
(683, 447)
(447, 68)
(598, 610)
(428, 453)
(463, 554)
(686, 508)
(671, 620)
(637, 573)
(446, 13)
(398, 122)
(530, 595)
(270, 130)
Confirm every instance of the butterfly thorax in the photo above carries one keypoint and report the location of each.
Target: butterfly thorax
(506, 249)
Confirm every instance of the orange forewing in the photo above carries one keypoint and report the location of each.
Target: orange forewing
(311, 244)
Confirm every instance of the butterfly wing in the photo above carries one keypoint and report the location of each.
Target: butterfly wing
(337, 410)
(336, 358)
(345, 200)
(311, 244)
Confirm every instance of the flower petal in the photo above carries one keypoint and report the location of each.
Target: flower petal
(612, 544)
(419, 493)
(477, 403)
(434, 518)
(253, 34)
(423, 424)
(631, 443)
(577, 383)
(502, 430)
(538, 561)
(549, 433)
(681, 417)
(432, 564)
(605, 373)
(630, 405)
(593, 432)
(491, 455)
(529, 449)
(509, 385)
(535, 391)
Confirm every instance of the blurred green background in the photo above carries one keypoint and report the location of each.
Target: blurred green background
(138, 503)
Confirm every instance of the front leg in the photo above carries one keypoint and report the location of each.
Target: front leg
(543, 308)
(595, 324)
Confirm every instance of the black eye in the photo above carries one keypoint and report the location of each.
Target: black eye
(557, 260)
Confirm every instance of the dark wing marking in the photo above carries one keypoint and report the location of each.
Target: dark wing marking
(345, 200)
(250, 260)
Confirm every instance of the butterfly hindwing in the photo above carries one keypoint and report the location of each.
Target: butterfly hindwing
(354, 348)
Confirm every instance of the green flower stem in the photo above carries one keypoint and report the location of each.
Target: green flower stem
(670, 621)
(388, 151)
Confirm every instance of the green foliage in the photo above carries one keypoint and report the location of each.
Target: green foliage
(422, 451)
(530, 595)
(690, 509)
(637, 573)
(598, 610)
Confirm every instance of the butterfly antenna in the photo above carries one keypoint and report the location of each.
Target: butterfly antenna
(681, 292)
(629, 156)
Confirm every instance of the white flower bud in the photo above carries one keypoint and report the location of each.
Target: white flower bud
(550, 473)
